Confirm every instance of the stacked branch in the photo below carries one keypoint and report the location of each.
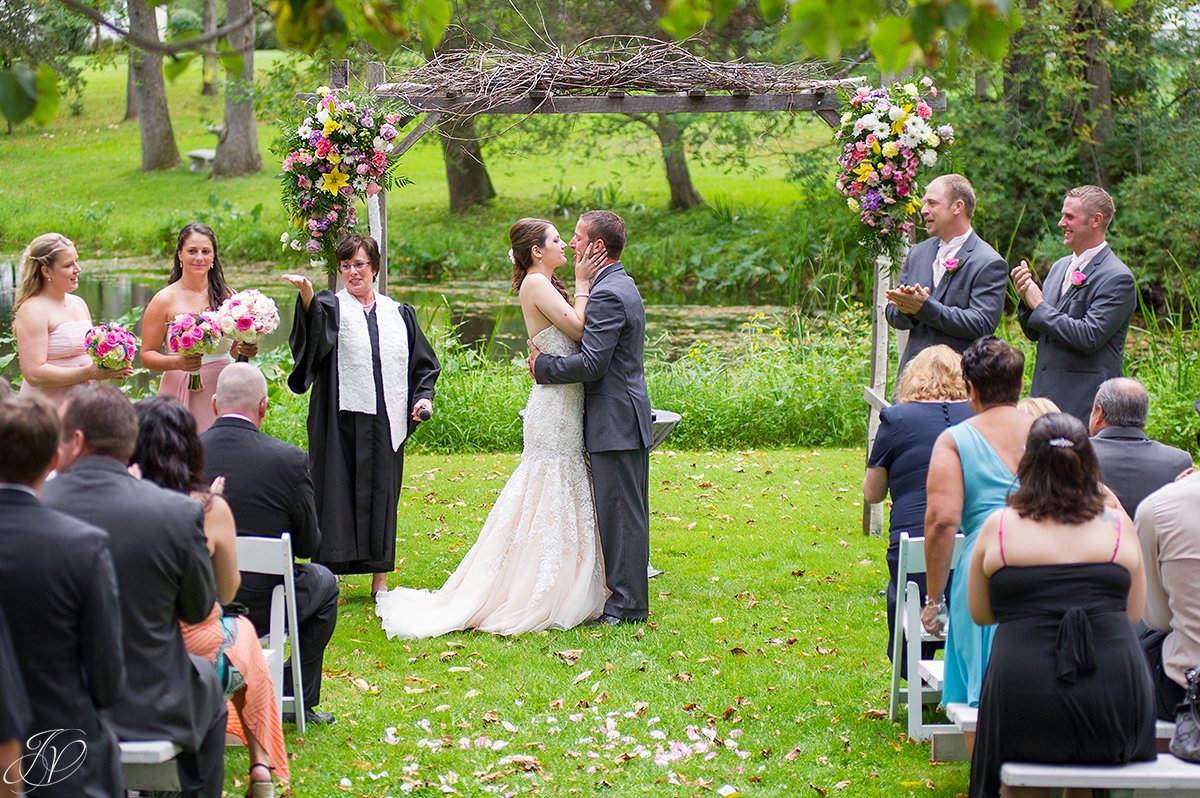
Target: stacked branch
(607, 65)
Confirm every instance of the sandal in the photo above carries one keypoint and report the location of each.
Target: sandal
(261, 789)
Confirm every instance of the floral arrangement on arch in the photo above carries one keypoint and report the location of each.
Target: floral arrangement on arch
(888, 139)
(333, 158)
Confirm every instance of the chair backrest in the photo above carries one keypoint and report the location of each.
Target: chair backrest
(265, 555)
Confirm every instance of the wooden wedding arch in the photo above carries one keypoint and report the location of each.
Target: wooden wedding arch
(613, 78)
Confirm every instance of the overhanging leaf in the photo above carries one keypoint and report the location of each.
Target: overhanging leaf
(772, 10)
(46, 83)
(232, 61)
(173, 68)
(432, 18)
(18, 93)
(892, 44)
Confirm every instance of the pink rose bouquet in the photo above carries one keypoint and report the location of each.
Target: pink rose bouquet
(111, 346)
(193, 333)
(247, 317)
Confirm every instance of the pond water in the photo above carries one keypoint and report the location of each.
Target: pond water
(484, 314)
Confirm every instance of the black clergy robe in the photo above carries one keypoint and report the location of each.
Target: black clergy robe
(356, 474)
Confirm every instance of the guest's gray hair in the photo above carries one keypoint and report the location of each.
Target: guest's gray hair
(1124, 401)
(241, 387)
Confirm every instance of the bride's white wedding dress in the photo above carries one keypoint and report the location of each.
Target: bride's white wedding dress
(537, 562)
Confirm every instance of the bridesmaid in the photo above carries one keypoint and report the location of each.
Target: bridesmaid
(50, 322)
(197, 284)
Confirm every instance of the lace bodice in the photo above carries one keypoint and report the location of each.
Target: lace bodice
(554, 413)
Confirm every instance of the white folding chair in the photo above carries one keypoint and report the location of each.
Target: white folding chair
(274, 556)
(924, 675)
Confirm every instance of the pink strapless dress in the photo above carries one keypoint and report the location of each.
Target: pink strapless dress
(64, 347)
(199, 403)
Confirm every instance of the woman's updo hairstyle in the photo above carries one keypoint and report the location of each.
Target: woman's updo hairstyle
(1059, 473)
(524, 235)
(41, 253)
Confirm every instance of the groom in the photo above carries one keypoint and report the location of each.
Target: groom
(616, 422)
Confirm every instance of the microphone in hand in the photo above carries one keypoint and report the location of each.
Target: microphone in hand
(423, 414)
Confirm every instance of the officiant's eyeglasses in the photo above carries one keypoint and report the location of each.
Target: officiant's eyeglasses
(357, 266)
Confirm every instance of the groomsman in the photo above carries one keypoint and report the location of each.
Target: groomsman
(617, 416)
(951, 290)
(1081, 316)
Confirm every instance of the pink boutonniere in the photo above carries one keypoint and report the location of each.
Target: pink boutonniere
(1078, 278)
(950, 264)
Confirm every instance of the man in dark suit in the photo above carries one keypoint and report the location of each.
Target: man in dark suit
(1133, 465)
(270, 490)
(59, 593)
(617, 417)
(164, 574)
(951, 290)
(1081, 316)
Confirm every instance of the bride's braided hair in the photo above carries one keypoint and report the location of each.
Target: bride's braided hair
(524, 235)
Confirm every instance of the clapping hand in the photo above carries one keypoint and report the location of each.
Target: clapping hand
(908, 299)
(301, 284)
(1027, 290)
(217, 488)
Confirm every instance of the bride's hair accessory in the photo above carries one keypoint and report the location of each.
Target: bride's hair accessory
(1061, 443)
(511, 258)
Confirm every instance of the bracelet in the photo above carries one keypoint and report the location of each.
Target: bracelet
(940, 604)
(581, 293)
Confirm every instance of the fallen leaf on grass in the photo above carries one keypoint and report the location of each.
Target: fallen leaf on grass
(683, 677)
(491, 716)
(738, 652)
(556, 704)
(875, 714)
(793, 754)
(826, 650)
(570, 655)
(841, 785)
(581, 677)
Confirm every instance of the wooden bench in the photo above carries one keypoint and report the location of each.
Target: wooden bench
(201, 160)
(966, 718)
(149, 765)
(1164, 775)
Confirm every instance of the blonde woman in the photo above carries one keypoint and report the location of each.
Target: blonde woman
(930, 397)
(1037, 406)
(50, 321)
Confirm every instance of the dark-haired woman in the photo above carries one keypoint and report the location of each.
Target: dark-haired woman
(536, 563)
(196, 284)
(1060, 573)
(971, 473)
(169, 454)
(372, 374)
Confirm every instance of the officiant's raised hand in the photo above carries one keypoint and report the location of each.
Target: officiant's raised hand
(301, 284)
(908, 299)
(1027, 290)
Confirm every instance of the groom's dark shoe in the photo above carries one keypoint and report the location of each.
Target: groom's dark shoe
(606, 620)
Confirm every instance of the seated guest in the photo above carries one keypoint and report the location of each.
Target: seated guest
(971, 473)
(169, 454)
(1168, 527)
(14, 715)
(1131, 465)
(1037, 406)
(1061, 576)
(59, 593)
(930, 396)
(268, 485)
(164, 573)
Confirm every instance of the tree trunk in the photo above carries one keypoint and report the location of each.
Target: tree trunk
(130, 93)
(237, 149)
(208, 84)
(683, 194)
(158, 137)
(1018, 69)
(1093, 119)
(466, 175)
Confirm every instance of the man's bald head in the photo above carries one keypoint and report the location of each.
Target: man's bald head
(241, 389)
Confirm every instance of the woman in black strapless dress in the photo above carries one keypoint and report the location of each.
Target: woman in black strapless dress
(1060, 572)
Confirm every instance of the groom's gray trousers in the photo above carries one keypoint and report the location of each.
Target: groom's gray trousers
(621, 485)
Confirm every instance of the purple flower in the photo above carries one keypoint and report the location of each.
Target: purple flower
(871, 200)
(346, 191)
(313, 138)
(366, 120)
(387, 132)
(313, 246)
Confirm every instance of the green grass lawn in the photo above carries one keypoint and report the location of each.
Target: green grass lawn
(765, 643)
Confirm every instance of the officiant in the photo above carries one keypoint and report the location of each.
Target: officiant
(372, 374)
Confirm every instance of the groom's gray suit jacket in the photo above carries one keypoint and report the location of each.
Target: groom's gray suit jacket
(965, 305)
(1080, 334)
(609, 364)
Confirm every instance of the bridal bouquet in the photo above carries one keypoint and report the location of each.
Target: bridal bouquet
(888, 138)
(111, 346)
(193, 333)
(340, 154)
(247, 317)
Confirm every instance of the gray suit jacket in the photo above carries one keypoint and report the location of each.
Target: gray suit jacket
(966, 304)
(1080, 334)
(1135, 466)
(164, 575)
(610, 365)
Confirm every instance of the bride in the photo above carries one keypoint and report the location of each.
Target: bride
(537, 562)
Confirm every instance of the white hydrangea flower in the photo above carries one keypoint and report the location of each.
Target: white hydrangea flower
(929, 157)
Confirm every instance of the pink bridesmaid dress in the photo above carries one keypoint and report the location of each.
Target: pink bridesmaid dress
(199, 403)
(64, 347)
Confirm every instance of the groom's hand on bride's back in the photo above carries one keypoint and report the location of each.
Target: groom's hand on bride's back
(532, 359)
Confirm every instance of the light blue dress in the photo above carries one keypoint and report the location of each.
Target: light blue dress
(987, 483)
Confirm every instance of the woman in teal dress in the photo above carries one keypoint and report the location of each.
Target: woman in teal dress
(971, 473)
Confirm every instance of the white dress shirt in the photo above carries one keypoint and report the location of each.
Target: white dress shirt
(947, 250)
(1080, 261)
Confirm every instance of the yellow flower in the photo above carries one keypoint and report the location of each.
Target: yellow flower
(331, 126)
(852, 204)
(334, 158)
(913, 205)
(898, 125)
(334, 180)
(298, 222)
(864, 171)
(890, 149)
(323, 90)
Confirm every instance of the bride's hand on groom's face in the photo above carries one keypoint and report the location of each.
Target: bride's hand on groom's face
(591, 263)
